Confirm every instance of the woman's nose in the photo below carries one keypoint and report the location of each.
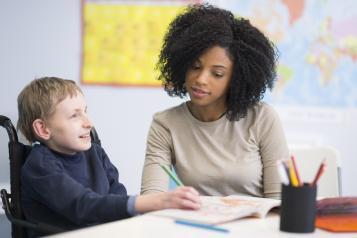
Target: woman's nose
(202, 77)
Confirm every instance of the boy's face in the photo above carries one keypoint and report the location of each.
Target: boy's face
(69, 126)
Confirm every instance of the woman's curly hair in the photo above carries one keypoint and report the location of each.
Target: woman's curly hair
(201, 27)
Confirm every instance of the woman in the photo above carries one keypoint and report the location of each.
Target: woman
(224, 140)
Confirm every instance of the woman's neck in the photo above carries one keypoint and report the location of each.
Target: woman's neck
(208, 113)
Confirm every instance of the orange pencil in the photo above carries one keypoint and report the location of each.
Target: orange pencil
(296, 171)
(319, 172)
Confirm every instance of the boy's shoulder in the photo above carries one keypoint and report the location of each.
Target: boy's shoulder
(41, 154)
(95, 149)
(40, 158)
(39, 150)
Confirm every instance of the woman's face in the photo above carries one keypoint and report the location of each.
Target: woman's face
(208, 78)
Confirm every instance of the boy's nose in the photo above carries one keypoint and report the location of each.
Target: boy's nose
(87, 122)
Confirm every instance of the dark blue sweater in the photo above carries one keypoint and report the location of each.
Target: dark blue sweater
(71, 191)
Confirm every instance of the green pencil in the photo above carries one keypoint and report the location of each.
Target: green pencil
(172, 176)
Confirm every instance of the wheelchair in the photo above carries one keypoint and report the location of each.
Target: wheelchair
(18, 153)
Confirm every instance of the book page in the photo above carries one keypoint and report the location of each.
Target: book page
(215, 210)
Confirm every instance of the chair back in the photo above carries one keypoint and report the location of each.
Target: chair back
(17, 154)
(94, 136)
(308, 159)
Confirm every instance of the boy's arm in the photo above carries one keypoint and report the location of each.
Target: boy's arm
(113, 175)
(181, 198)
(115, 186)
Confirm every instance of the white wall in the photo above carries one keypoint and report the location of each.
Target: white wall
(42, 38)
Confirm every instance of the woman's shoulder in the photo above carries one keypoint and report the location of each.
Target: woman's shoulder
(170, 113)
(261, 113)
(263, 109)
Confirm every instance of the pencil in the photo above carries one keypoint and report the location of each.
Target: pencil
(319, 172)
(293, 179)
(296, 170)
(172, 176)
(203, 226)
(285, 164)
(282, 172)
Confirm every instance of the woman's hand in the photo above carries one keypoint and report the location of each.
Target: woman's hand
(181, 197)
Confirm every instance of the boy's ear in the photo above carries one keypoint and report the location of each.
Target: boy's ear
(40, 129)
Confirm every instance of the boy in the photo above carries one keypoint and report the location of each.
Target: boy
(66, 180)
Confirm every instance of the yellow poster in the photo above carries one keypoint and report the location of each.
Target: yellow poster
(121, 42)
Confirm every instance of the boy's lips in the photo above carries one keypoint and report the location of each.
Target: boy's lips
(85, 136)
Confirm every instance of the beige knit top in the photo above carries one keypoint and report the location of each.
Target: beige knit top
(219, 157)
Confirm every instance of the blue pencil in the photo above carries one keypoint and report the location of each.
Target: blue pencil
(203, 226)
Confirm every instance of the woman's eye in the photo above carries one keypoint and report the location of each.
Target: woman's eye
(195, 67)
(218, 75)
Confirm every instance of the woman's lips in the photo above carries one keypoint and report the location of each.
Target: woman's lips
(199, 93)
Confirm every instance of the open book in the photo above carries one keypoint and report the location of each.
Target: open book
(216, 210)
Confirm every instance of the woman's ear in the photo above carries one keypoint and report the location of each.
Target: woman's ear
(41, 130)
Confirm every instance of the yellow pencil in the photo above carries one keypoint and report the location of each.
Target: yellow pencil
(292, 174)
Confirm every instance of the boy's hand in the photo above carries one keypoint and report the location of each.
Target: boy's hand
(182, 198)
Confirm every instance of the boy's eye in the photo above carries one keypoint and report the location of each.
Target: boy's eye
(74, 115)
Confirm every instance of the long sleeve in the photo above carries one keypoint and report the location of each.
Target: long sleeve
(273, 147)
(158, 151)
(70, 192)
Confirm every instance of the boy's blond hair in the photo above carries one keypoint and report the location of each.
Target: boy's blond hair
(38, 100)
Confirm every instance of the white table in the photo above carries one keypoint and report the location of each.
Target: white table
(155, 226)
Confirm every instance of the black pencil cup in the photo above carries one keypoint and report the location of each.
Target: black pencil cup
(298, 208)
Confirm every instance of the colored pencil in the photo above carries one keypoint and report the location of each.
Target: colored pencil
(203, 226)
(171, 175)
(296, 170)
(319, 172)
(284, 177)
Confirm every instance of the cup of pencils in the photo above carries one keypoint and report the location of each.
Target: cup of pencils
(298, 199)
